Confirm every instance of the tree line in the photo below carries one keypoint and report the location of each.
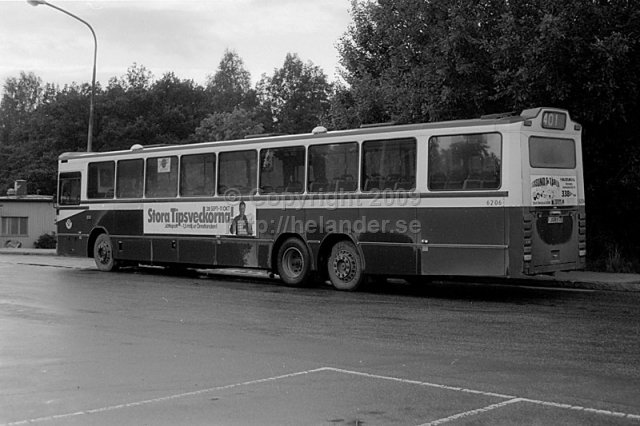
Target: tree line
(401, 60)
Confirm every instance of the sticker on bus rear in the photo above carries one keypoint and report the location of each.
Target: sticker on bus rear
(554, 191)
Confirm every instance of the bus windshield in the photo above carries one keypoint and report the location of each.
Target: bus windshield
(552, 153)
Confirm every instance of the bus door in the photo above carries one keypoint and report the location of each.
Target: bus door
(554, 220)
(70, 226)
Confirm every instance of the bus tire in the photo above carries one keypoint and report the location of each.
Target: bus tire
(293, 262)
(103, 254)
(345, 266)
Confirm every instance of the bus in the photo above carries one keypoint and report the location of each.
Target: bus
(496, 196)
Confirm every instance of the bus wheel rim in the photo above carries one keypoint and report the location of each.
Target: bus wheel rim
(104, 253)
(344, 266)
(293, 261)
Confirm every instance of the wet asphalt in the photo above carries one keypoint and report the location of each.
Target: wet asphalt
(145, 346)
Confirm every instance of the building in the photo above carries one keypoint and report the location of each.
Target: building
(24, 218)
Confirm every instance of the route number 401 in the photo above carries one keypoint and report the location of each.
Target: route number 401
(497, 202)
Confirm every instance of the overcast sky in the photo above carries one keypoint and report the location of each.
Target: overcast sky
(187, 37)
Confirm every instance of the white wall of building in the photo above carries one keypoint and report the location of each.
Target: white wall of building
(40, 213)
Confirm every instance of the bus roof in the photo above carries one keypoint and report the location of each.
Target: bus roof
(488, 120)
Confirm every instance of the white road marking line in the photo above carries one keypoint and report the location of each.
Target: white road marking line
(472, 412)
(585, 409)
(416, 382)
(511, 398)
(160, 399)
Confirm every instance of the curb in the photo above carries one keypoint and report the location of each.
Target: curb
(28, 252)
(597, 283)
(585, 280)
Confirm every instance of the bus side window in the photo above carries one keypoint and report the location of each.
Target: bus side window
(197, 175)
(465, 162)
(237, 172)
(282, 170)
(100, 180)
(161, 177)
(389, 165)
(129, 178)
(332, 167)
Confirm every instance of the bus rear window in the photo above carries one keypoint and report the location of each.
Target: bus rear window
(552, 153)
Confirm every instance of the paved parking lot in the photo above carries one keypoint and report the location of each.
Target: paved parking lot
(148, 347)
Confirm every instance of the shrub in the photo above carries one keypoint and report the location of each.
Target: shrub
(46, 241)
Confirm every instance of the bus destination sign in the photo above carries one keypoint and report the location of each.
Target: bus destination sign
(554, 120)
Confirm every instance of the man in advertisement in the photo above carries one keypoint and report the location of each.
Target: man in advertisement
(240, 225)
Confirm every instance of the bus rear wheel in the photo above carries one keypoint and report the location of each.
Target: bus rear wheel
(293, 262)
(103, 254)
(345, 266)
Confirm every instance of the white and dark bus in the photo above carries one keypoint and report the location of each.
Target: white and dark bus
(498, 196)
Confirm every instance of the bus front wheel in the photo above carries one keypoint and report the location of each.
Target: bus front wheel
(103, 254)
(293, 262)
(345, 266)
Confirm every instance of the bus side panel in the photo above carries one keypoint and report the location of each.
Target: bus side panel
(128, 222)
(134, 249)
(127, 236)
(388, 240)
(384, 235)
(463, 241)
(319, 223)
(386, 259)
(164, 250)
(72, 245)
(72, 232)
(197, 251)
(237, 252)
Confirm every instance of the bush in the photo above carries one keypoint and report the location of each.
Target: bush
(46, 241)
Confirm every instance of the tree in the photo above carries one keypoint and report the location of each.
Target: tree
(410, 61)
(230, 86)
(222, 126)
(178, 106)
(135, 109)
(138, 77)
(343, 109)
(22, 153)
(578, 55)
(20, 98)
(296, 96)
(420, 61)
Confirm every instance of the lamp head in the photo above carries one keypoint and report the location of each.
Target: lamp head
(36, 2)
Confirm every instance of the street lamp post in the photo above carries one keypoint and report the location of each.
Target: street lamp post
(95, 55)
